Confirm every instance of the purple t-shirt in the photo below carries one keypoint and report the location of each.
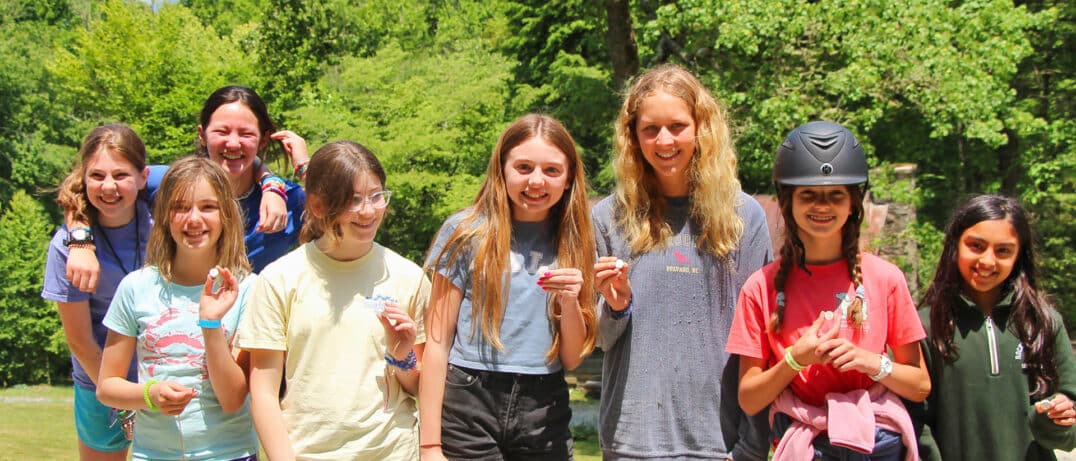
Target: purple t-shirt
(120, 250)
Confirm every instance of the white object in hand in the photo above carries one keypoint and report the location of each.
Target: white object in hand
(828, 315)
(1044, 404)
(214, 273)
(620, 264)
(375, 305)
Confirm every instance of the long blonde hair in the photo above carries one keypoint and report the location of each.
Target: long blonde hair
(487, 228)
(178, 183)
(714, 186)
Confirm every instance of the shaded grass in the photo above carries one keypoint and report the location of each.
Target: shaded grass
(37, 423)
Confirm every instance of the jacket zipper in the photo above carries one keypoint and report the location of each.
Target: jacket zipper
(992, 340)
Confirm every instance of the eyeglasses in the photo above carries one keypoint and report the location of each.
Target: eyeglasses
(378, 200)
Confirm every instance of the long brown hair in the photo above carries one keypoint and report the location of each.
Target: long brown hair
(1032, 312)
(182, 176)
(486, 227)
(792, 252)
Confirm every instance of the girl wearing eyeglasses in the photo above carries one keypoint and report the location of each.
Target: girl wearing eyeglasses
(340, 318)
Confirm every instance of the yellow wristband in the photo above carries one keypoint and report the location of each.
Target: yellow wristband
(791, 361)
(145, 395)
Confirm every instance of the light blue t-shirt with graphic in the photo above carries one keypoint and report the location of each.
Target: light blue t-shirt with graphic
(163, 317)
(526, 331)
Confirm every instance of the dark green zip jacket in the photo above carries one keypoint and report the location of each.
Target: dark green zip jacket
(979, 408)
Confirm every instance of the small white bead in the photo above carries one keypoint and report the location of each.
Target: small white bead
(214, 273)
(620, 264)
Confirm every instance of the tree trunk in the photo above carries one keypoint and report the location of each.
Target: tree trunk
(621, 41)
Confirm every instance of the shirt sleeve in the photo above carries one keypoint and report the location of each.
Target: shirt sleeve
(747, 336)
(264, 322)
(56, 287)
(1046, 433)
(904, 324)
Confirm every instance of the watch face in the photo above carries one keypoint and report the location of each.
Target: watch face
(80, 234)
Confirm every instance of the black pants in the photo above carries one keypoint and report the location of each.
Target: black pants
(495, 416)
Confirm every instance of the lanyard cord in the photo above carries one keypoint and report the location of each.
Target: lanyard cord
(138, 246)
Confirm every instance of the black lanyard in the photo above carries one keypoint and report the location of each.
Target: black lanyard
(138, 246)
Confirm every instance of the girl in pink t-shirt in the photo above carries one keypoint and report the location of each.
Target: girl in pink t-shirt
(813, 327)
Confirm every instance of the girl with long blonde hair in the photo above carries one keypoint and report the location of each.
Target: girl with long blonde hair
(511, 307)
(676, 241)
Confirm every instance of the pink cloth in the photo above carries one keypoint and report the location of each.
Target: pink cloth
(849, 419)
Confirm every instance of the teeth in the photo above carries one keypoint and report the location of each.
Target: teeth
(666, 155)
(232, 155)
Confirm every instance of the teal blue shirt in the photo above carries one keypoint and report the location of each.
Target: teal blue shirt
(163, 317)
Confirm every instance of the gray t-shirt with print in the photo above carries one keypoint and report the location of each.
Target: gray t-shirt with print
(668, 386)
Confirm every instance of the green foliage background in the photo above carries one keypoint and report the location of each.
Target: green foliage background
(979, 94)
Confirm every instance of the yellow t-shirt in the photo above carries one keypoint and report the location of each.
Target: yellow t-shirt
(312, 307)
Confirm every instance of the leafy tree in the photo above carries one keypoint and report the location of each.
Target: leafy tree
(31, 337)
(563, 60)
(432, 119)
(298, 39)
(126, 66)
(225, 16)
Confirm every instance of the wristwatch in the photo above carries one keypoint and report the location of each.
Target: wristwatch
(884, 368)
(79, 236)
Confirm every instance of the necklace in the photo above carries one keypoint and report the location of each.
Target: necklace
(138, 246)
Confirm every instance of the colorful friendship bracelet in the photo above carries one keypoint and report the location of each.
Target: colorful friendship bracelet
(300, 170)
(408, 363)
(145, 395)
(275, 184)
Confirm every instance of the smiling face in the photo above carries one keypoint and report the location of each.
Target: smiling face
(665, 128)
(986, 255)
(820, 212)
(112, 186)
(233, 139)
(358, 225)
(196, 221)
(536, 174)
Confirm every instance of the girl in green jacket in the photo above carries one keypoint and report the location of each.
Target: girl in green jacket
(1000, 360)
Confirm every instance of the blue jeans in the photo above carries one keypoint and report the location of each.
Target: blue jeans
(494, 416)
(887, 444)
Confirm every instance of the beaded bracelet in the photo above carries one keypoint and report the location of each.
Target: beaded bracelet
(408, 363)
(274, 184)
(145, 395)
(300, 169)
(791, 361)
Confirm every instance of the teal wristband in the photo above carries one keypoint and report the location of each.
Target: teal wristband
(209, 324)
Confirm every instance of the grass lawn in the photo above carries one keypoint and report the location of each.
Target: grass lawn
(36, 423)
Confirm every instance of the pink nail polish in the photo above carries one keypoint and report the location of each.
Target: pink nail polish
(545, 275)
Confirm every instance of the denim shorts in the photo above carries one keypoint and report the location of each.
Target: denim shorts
(93, 423)
(496, 416)
(887, 444)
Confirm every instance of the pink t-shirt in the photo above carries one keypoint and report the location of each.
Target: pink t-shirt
(890, 319)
